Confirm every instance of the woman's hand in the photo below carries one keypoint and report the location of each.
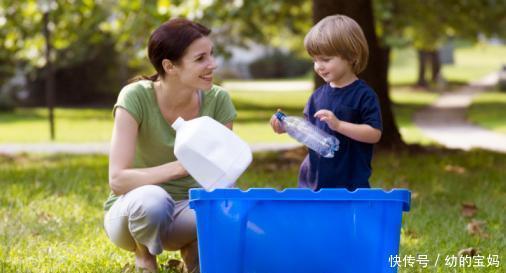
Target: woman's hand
(329, 118)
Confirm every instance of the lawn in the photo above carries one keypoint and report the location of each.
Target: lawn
(471, 63)
(489, 111)
(51, 207)
(29, 125)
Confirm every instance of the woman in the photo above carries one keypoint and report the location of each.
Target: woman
(147, 210)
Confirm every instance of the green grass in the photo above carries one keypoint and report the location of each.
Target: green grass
(51, 206)
(489, 111)
(74, 125)
(471, 63)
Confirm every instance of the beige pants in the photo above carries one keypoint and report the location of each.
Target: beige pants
(149, 216)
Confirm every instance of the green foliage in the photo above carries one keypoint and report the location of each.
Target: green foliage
(277, 23)
(428, 24)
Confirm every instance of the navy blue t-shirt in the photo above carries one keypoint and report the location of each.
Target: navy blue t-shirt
(350, 167)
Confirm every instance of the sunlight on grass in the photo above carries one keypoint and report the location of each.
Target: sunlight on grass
(471, 63)
(489, 110)
(71, 125)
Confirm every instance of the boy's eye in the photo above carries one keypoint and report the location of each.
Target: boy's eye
(320, 59)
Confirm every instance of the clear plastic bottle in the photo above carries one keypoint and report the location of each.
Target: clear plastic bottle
(308, 134)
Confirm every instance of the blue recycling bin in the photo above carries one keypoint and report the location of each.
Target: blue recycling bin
(298, 230)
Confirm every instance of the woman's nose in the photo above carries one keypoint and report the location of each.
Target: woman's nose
(212, 63)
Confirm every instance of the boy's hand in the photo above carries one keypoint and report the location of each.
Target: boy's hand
(329, 118)
(276, 125)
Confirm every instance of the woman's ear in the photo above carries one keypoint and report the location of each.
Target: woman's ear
(168, 66)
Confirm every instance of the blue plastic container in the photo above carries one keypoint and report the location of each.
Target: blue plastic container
(298, 230)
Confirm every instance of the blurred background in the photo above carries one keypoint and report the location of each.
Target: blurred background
(67, 60)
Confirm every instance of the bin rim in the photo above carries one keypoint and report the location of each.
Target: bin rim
(299, 194)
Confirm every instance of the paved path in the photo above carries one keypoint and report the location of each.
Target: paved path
(446, 122)
(103, 148)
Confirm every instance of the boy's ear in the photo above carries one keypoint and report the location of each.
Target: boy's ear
(168, 66)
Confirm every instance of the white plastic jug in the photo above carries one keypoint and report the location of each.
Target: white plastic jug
(210, 152)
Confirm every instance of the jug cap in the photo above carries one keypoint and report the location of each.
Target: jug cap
(178, 123)
(280, 115)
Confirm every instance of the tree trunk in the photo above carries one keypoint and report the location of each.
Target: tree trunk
(376, 73)
(436, 66)
(49, 79)
(422, 67)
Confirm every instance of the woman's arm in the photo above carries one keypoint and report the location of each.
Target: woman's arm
(122, 177)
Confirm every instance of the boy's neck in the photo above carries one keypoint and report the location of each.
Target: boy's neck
(345, 80)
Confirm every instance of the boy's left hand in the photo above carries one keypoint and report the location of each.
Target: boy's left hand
(329, 118)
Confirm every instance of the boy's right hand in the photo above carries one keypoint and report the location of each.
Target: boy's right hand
(276, 125)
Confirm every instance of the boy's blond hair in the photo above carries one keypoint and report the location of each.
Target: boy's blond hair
(339, 35)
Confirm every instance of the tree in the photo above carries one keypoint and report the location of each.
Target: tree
(427, 25)
(377, 69)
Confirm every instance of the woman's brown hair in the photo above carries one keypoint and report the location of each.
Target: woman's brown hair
(170, 41)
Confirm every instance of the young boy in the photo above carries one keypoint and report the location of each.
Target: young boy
(344, 106)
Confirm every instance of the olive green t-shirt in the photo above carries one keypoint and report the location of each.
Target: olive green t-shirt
(155, 139)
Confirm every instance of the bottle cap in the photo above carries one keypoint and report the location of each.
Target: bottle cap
(280, 115)
(178, 123)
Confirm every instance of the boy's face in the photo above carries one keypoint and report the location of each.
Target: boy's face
(333, 69)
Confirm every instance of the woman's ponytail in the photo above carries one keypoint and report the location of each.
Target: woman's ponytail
(152, 78)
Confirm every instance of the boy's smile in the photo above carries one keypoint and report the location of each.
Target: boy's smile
(334, 70)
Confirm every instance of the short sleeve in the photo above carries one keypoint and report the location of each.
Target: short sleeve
(308, 108)
(130, 100)
(225, 111)
(371, 111)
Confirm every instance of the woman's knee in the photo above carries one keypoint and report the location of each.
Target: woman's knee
(150, 202)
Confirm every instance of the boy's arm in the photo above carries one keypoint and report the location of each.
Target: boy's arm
(359, 132)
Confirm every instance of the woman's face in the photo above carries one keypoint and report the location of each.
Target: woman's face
(196, 67)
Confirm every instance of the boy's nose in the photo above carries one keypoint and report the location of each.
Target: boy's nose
(317, 66)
